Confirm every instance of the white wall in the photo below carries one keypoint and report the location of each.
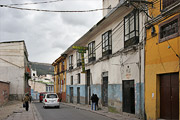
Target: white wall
(12, 66)
(107, 3)
(37, 86)
(122, 67)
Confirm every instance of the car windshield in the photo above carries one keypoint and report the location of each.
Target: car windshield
(51, 96)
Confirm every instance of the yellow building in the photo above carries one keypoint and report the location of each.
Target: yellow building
(162, 60)
(60, 77)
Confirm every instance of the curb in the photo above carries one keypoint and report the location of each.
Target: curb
(36, 113)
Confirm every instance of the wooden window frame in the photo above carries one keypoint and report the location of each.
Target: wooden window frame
(91, 52)
(135, 39)
(107, 49)
(165, 23)
(71, 80)
(70, 62)
(78, 57)
(79, 78)
(162, 3)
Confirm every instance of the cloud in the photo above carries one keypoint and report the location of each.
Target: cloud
(47, 35)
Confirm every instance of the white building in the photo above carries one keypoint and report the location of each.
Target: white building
(14, 67)
(114, 62)
(42, 83)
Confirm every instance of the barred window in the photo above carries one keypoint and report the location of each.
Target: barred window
(169, 29)
(167, 3)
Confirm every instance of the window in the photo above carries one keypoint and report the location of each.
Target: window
(91, 51)
(79, 63)
(131, 29)
(62, 66)
(71, 80)
(169, 29)
(79, 78)
(107, 43)
(70, 62)
(167, 3)
(58, 68)
(51, 96)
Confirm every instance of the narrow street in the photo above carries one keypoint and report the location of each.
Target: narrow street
(67, 113)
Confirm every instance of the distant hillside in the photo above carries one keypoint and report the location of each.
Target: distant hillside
(42, 68)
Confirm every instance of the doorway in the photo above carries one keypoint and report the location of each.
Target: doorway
(78, 94)
(71, 94)
(128, 96)
(88, 87)
(169, 96)
(105, 89)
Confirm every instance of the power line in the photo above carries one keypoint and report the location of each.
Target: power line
(35, 3)
(43, 10)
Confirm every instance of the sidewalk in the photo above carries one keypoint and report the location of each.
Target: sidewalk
(14, 111)
(104, 112)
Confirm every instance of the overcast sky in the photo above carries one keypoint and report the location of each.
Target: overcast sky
(47, 35)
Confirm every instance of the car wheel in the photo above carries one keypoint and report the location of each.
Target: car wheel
(58, 106)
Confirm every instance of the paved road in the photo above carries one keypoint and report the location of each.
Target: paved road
(67, 113)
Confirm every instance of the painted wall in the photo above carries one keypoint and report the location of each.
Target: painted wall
(160, 59)
(124, 64)
(12, 67)
(112, 3)
(37, 86)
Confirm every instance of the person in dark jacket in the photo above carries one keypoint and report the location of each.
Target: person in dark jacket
(26, 101)
(96, 100)
(93, 104)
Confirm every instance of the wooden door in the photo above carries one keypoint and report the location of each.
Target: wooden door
(78, 95)
(169, 96)
(71, 94)
(128, 96)
(105, 91)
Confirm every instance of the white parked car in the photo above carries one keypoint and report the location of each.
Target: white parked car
(51, 100)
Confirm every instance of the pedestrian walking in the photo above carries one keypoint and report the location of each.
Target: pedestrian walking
(93, 104)
(26, 101)
(30, 98)
(96, 100)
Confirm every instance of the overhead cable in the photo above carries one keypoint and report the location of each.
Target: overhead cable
(70, 11)
(35, 3)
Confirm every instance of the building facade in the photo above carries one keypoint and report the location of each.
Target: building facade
(4, 90)
(14, 67)
(60, 77)
(38, 87)
(162, 61)
(114, 61)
